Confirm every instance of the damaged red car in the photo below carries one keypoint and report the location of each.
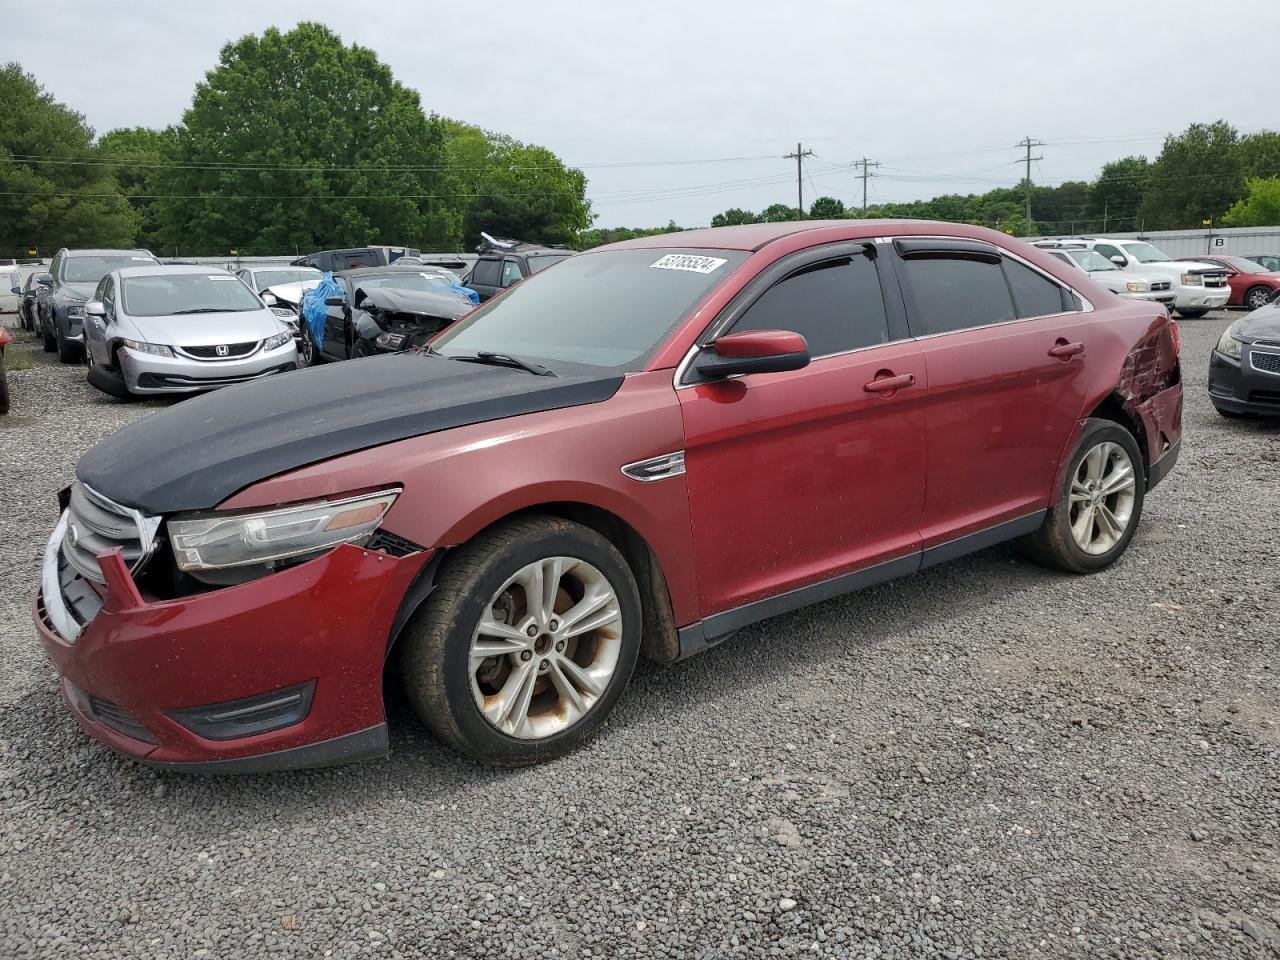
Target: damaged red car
(634, 453)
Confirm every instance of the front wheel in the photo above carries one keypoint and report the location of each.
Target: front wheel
(526, 643)
(68, 350)
(1099, 505)
(48, 336)
(1191, 314)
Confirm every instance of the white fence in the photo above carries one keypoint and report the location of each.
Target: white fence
(1234, 241)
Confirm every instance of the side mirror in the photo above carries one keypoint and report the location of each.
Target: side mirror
(753, 351)
(335, 301)
(1118, 260)
(270, 299)
(44, 279)
(17, 291)
(95, 308)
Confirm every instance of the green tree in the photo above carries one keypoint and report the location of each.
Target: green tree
(601, 235)
(1197, 177)
(827, 208)
(779, 213)
(295, 141)
(49, 196)
(733, 217)
(136, 155)
(513, 189)
(1261, 208)
(1116, 197)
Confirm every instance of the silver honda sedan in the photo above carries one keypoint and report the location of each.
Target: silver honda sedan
(180, 329)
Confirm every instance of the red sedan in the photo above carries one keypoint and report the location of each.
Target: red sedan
(1252, 285)
(637, 451)
(5, 339)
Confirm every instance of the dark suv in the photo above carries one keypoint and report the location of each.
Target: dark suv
(73, 275)
(503, 263)
(333, 261)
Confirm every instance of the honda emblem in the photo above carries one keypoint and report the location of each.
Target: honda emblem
(222, 349)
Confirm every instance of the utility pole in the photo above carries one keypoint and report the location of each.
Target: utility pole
(1106, 205)
(799, 156)
(1029, 143)
(865, 175)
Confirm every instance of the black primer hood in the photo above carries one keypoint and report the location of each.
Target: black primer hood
(194, 455)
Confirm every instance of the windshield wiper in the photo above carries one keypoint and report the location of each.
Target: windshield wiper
(505, 360)
(178, 313)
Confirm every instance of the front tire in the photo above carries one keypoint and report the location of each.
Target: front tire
(49, 336)
(1099, 505)
(68, 350)
(527, 641)
(1191, 314)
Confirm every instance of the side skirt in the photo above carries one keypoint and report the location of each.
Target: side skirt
(713, 630)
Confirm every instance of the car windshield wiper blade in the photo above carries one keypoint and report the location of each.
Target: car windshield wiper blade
(178, 313)
(505, 360)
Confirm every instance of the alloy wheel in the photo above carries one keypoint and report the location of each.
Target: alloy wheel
(1258, 297)
(1102, 498)
(546, 647)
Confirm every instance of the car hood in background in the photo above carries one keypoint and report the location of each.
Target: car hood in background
(1262, 324)
(208, 329)
(76, 291)
(448, 306)
(194, 455)
(292, 292)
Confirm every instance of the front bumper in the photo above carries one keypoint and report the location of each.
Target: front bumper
(141, 666)
(1247, 386)
(1200, 298)
(146, 373)
(1164, 297)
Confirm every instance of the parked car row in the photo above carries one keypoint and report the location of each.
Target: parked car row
(505, 520)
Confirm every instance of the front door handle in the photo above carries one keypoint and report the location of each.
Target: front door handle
(887, 383)
(1065, 351)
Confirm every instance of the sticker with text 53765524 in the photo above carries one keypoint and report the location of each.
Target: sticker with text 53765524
(689, 262)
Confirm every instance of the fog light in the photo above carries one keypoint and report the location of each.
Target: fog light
(260, 713)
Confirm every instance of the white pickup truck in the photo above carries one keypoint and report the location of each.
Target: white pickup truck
(1197, 287)
(1103, 272)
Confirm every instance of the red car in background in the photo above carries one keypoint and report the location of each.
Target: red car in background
(1252, 285)
(638, 451)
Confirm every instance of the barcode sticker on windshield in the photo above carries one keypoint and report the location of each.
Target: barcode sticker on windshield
(219, 276)
(685, 261)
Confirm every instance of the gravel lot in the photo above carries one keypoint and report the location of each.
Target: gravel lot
(985, 760)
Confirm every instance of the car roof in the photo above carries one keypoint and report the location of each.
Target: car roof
(753, 236)
(170, 270)
(110, 253)
(389, 268)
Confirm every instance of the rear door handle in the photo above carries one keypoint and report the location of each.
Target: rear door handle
(887, 382)
(1065, 351)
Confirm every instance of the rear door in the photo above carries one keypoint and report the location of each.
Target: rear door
(1006, 348)
(335, 325)
(800, 477)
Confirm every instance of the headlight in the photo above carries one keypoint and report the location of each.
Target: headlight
(1228, 345)
(278, 340)
(212, 543)
(1192, 280)
(390, 341)
(155, 349)
(1137, 286)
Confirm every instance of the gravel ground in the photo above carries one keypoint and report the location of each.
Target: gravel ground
(984, 760)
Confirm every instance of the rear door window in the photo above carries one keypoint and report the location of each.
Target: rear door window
(1034, 294)
(511, 272)
(952, 293)
(836, 305)
(486, 272)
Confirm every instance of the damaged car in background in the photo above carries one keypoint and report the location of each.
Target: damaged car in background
(359, 313)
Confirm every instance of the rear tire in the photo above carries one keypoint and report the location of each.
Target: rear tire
(1256, 297)
(1099, 503)
(1191, 314)
(532, 698)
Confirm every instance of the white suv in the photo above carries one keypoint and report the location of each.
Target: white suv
(1197, 287)
(1103, 272)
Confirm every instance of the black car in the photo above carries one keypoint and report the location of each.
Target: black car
(387, 309)
(353, 258)
(1244, 368)
(26, 295)
(61, 294)
(503, 263)
(1269, 260)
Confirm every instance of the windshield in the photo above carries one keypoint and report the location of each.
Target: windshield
(610, 309)
(1146, 253)
(269, 278)
(1092, 260)
(542, 261)
(426, 282)
(1245, 266)
(93, 269)
(168, 294)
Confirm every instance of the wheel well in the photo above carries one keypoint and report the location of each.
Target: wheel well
(1113, 408)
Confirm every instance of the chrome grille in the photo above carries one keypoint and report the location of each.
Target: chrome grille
(96, 524)
(1161, 285)
(1266, 362)
(231, 351)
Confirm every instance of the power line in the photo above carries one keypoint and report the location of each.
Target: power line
(865, 175)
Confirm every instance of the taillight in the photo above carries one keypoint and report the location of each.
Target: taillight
(1177, 337)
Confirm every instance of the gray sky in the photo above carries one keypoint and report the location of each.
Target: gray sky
(938, 91)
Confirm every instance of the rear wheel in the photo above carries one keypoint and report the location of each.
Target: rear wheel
(527, 642)
(1191, 314)
(1258, 296)
(1099, 505)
